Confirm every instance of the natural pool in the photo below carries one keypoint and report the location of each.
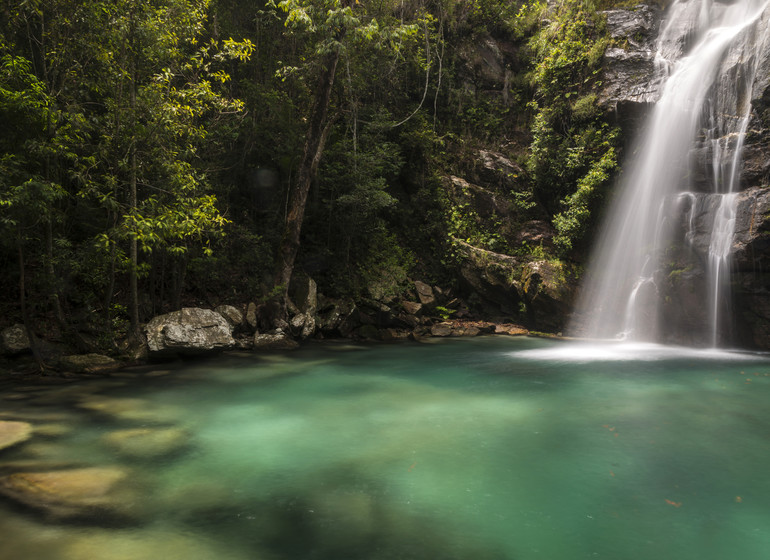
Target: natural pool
(486, 448)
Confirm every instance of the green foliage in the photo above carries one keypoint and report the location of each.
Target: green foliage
(573, 151)
(573, 222)
(444, 313)
(193, 101)
(384, 270)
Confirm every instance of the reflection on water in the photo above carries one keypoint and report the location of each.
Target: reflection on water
(488, 448)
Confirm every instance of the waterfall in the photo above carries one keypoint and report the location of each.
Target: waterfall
(680, 178)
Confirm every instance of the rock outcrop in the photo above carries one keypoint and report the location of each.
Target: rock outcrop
(629, 80)
(493, 276)
(188, 331)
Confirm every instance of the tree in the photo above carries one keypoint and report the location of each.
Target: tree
(331, 28)
(118, 127)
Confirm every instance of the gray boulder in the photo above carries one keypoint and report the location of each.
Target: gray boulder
(231, 314)
(338, 318)
(424, 293)
(14, 340)
(189, 331)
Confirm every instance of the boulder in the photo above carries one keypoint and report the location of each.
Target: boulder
(509, 329)
(338, 318)
(424, 293)
(88, 363)
(251, 315)
(14, 340)
(494, 277)
(496, 170)
(231, 314)
(67, 494)
(303, 325)
(189, 331)
(441, 329)
(466, 330)
(411, 307)
(12, 433)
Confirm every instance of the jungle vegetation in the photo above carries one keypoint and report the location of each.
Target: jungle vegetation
(155, 153)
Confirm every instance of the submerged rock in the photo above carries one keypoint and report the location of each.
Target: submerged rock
(189, 331)
(129, 409)
(148, 443)
(68, 493)
(143, 545)
(12, 433)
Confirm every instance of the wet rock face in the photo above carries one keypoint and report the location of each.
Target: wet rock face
(189, 331)
(548, 291)
(629, 68)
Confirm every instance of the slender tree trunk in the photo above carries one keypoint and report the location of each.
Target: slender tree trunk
(317, 133)
(133, 202)
(110, 291)
(33, 345)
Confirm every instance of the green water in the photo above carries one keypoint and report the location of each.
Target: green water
(472, 449)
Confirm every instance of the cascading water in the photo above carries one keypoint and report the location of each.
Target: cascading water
(682, 178)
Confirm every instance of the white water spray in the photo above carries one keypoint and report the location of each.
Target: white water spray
(707, 55)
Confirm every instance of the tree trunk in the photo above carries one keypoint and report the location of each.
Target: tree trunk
(33, 345)
(133, 202)
(318, 131)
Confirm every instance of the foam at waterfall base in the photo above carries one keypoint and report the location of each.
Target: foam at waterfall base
(610, 351)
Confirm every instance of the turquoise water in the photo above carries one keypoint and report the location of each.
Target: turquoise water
(486, 448)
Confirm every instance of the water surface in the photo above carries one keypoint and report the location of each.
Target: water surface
(487, 448)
